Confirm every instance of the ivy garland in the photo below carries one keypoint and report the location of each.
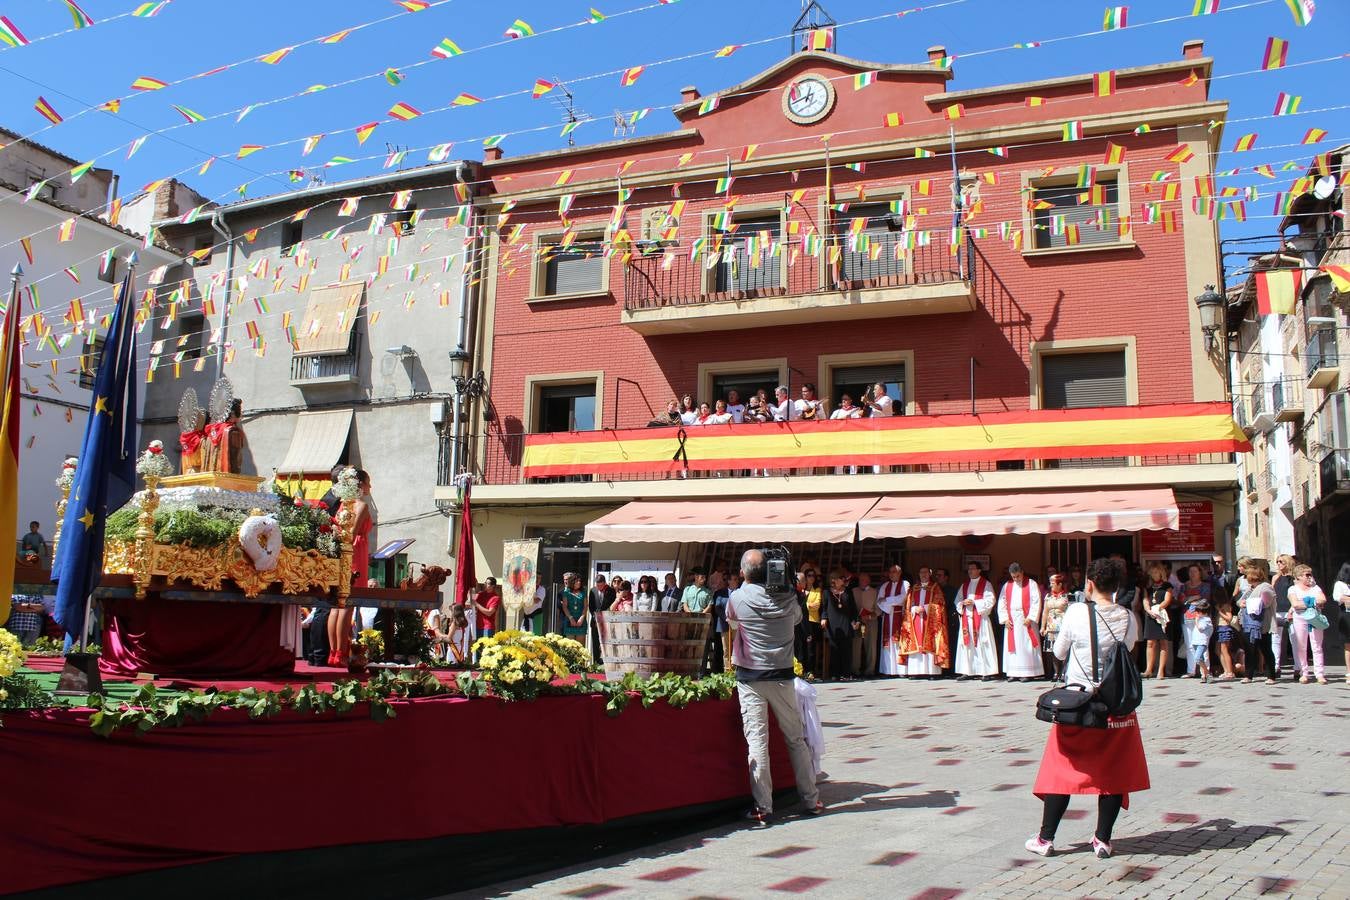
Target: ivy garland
(148, 708)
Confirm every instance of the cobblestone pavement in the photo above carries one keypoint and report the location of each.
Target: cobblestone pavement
(929, 792)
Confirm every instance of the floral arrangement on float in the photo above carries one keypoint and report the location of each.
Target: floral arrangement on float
(519, 665)
(215, 531)
(368, 647)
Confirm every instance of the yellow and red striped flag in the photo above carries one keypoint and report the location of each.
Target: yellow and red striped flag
(9, 449)
(1313, 136)
(146, 83)
(1115, 154)
(47, 111)
(955, 111)
(1277, 53)
(1104, 84)
(541, 87)
(1181, 154)
(1277, 291)
(630, 76)
(404, 111)
(363, 132)
(1244, 143)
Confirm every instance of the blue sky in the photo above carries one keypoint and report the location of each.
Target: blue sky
(85, 67)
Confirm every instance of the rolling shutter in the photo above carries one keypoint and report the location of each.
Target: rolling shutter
(578, 270)
(326, 329)
(858, 265)
(1078, 380)
(1064, 202)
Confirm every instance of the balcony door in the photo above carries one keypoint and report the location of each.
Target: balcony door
(748, 263)
(868, 253)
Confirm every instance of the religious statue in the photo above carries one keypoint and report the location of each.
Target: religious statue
(191, 433)
(224, 441)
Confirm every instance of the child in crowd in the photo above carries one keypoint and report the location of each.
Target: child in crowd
(1197, 653)
(1225, 633)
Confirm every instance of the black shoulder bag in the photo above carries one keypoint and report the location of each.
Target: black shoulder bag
(1075, 704)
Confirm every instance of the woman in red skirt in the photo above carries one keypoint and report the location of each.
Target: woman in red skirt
(1108, 762)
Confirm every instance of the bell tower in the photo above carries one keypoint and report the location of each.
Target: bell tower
(814, 27)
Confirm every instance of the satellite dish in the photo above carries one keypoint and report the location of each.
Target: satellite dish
(1324, 187)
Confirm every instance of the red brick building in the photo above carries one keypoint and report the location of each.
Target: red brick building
(799, 227)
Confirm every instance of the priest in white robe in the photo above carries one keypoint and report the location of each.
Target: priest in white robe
(891, 615)
(976, 654)
(1019, 609)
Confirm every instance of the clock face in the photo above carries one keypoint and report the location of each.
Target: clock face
(808, 99)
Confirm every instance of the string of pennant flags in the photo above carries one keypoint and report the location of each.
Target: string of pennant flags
(1312, 136)
(399, 199)
(403, 112)
(439, 152)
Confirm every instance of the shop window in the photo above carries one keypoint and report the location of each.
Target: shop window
(1066, 215)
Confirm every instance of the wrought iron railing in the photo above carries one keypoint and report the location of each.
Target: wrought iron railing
(309, 368)
(744, 268)
(1320, 352)
(1334, 469)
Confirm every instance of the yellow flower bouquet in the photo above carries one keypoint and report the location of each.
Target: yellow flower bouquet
(519, 665)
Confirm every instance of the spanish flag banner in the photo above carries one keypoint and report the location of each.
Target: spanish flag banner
(1165, 430)
(1277, 291)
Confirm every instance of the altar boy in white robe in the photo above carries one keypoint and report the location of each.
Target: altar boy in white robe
(891, 611)
(1019, 609)
(976, 654)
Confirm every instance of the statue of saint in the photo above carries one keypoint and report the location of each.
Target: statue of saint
(191, 433)
(223, 448)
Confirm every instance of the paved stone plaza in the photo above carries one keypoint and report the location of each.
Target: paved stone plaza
(929, 792)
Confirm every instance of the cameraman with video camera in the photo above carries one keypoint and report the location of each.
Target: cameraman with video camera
(764, 611)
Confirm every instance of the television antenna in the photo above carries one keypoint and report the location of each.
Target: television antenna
(391, 149)
(813, 16)
(622, 125)
(565, 101)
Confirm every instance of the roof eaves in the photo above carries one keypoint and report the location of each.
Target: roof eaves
(1204, 64)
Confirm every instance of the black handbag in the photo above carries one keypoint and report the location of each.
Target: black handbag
(1075, 704)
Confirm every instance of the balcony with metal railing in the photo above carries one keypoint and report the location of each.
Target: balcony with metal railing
(325, 371)
(1286, 397)
(754, 280)
(1334, 469)
(1321, 359)
(504, 454)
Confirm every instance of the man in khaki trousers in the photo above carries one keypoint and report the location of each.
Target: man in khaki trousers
(762, 653)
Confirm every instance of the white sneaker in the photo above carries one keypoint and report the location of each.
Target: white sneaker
(1041, 848)
(1101, 848)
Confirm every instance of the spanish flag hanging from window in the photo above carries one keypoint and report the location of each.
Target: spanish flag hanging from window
(1277, 291)
(9, 449)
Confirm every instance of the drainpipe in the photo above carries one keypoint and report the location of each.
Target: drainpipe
(218, 224)
(464, 336)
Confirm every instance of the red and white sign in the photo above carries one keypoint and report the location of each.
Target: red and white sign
(1194, 534)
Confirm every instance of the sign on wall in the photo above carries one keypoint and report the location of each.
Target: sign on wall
(1194, 534)
(633, 569)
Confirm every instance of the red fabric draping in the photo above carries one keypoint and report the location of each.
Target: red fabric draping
(235, 785)
(167, 637)
(464, 552)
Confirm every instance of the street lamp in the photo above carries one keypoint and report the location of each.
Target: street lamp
(1211, 305)
(466, 386)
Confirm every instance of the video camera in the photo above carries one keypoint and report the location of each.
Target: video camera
(779, 574)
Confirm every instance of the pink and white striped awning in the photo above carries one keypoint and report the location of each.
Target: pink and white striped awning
(1030, 512)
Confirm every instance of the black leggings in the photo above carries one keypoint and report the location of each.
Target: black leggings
(1108, 807)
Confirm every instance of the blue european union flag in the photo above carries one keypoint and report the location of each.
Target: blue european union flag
(105, 477)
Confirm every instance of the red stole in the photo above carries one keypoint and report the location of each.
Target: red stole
(970, 619)
(1026, 612)
(914, 608)
(888, 590)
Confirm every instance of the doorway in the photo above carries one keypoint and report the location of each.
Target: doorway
(560, 551)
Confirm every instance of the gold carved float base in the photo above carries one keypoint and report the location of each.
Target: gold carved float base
(209, 568)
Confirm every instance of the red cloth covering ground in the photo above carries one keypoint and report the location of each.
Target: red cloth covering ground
(167, 637)
(232, 784)
(1094, 760)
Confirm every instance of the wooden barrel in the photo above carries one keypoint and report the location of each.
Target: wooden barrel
(648, 643)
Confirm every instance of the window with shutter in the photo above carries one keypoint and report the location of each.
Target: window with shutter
(1081, 380)
(578, 269)
(1066, 216)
